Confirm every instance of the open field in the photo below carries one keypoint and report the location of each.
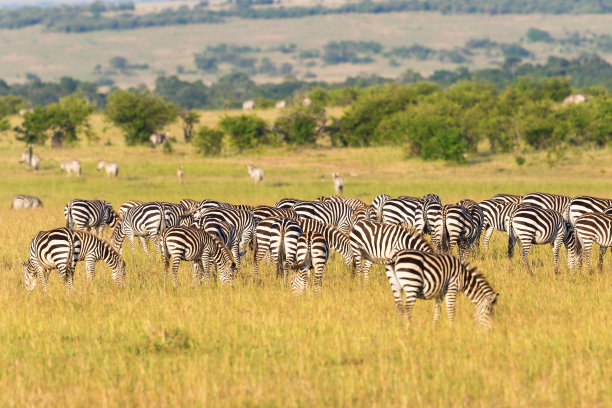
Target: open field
(52, 55)
(257, 345)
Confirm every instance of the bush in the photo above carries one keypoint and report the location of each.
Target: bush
(244, 131)
(537, 35)
(302, 124)
(208, 142)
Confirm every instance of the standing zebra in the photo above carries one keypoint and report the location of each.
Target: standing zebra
(256, 174)
(585, 204)
(112, 168)
(533, 225)
(144, 221)
(312, 253)
(495, 217)
(90, 214)
(458, 228)
(55, 249)
(336, 240)
(556, 202)
(378, 243)
(477, 217)
(335, 213)
(126, 206)
(377, 205)
(195, 244)
(354, 203)
(94, 249)
(407, 211)
(363, 213)
(226, 232)
(590, 228)
(278, 238)
(338, 183)
(71, 166)
(25, 201)
(263, 211)
(420, 275)
(30, 159)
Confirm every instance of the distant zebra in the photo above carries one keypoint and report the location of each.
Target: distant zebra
(126, 206)
(180, 174)
(338, 183)
(378, 203)
(288, 202)
(30, 159)
(35, 162)
(533, 225)
(263, 211)
(256, 174)
(278, 238)
(593, 228)
(90, 215)
(378, 243)
(158, 138)
(71, 166)
(55, 249)
(194, 244)
(111, 168)
(312, 253)
(354, 203)
(94, 249)
(458, 228)
(144, 221)
(477, 217)
(508, 198)
(25, 201)
(555, 202)
(585, 204)
(420, 275)
(335, 213)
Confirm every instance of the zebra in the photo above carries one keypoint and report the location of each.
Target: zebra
(144, 221)
(90, 214)
(195, 244)
(477, 216)
(496, 213)
(21, 201)
(126, 206)
(335, 213)
(288, 202)
(378, 203)
(585, 204)
(30, 159)
(180, 174)
(336, 240)
(112, 168)
(408, 211)
(263, 211)
(421, 275)
(508, 198)
(373, 242)
(71, 166)
(94, 249)
(277, 237)
(55, 249)
(189, 204)
(158, 138)
(590, 228)
(354, 203)
(338, 183)
(226, 232)
(312, 252)
(458, 228)
(556, 202)
(256, 174)
(363, 213)
(534, 225)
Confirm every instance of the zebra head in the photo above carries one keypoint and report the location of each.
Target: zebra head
(29, 275)
(484, 310)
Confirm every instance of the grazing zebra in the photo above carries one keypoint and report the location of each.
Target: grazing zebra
(126, 206)
(25, 201)
(363, 213)
(590, 228)
(338, 183)
(508, 198)
(55, 249)
(312, 253)
(585, 204)
(288, 202)
(378, 203)
(226, 232)
(144, 221)
(378, 243)
(495, 217)
(194, 244)
(335, 239)
(90, 214)
(458, 228)
(112, 168)
(534, 225)
(330, 212)
(277, 237)
(263, 211)
(477, 216)
(256, 174)
(94, 249)
(420, 275)
(556, 202)
(354, 203)
(71, 166)
(408, 211)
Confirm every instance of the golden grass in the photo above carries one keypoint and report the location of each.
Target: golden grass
(257, 345)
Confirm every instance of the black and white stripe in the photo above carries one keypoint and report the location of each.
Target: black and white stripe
(555, 202)
(312, 252)
(276, 237)
(265, 211)
(336, 240)
(477, 216)
(420, 275)
(123, 208)
(373, 242)
(593, 228)
(407, 211)
(288, 202)
(495, 217)
(335, 213)
(354, 203)
(194, 244)
(458, 228)
(146, 220)
(586, 204)
(21, 201)
(94, 249)
(377, 204)
(90, 215)
(366, 213)
(508, 198)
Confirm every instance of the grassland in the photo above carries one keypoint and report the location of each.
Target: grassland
(257, 345)
(52, 55)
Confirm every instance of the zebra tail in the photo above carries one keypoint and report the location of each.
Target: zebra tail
(445, 238)
(69, 220)
(511, 236)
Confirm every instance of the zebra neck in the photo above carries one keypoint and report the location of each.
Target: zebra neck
(475, 286)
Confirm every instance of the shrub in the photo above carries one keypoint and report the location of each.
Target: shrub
(537, 35)
(208, 142)
(245, 131)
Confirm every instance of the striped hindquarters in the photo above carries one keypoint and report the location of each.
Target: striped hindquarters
(312, 252)
(555, 202)
(585, 204)
(335, 213)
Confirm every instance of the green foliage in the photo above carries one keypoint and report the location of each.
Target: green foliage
(537, 35)
(302, 124)
(244, 131)
(167, 147)
(11, 105)
(348, 51)
(189, 118)
(208, 142)
(139, 114)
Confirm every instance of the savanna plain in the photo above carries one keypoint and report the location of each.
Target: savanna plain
(257, 344)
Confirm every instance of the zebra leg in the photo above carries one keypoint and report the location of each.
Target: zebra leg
(396, 288)
(487, 237)
(299, 283)
(525, 247)
(318, 280)
(130, 238)
(166, 267)
(556, 247)
(176, 261)
(195, 273)
(205, 265)
(64, 272)
(411, 297)
(365, 269)
(437, 309)
(90, 265)
(43, 275)
(602, 252)
(511, 243)
(450, 299)
(145, 245)
(236, 254)
(586, 253)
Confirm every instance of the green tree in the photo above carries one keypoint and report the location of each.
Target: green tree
(245, 131)
(189, 118)
(208, 142)
(302, 124)
(139, 114)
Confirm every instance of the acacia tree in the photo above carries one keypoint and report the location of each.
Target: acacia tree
(139, 114)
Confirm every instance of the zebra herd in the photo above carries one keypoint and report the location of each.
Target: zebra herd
(298, 236)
